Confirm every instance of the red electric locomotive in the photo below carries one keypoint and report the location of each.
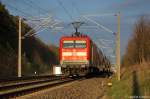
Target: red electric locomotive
(79, 53)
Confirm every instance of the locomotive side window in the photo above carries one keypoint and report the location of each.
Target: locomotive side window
(80, 44)
(68, 44)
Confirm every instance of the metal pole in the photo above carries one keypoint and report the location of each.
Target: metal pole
(118, 48)
(19, 49)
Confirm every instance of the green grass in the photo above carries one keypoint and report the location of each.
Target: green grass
(134, 78)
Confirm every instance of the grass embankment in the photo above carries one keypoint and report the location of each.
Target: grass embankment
(134, 83)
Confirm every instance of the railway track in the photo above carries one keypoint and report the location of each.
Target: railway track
(15, 89)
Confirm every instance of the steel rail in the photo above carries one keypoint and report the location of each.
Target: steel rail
(25, 88)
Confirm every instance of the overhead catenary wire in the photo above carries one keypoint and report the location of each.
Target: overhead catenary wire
(75, 7)
(66, 11)
(26, 14)
(18, 10)
(103, 27)
(45, 23)
(31, 2)
(39, 26)
(31, 5)
(103, 43)
(104, 14)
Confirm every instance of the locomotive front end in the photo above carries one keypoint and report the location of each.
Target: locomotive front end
(74, 51)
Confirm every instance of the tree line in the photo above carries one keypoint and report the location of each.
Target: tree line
(36, 56)
(138, 49)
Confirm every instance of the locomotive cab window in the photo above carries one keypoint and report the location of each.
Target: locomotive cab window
(80, 44)
(68, 44)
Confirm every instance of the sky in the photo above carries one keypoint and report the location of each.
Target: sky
(68, 11)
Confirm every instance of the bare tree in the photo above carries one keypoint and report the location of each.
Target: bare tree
(138, 49)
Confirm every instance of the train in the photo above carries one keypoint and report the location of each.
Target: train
(78, 55)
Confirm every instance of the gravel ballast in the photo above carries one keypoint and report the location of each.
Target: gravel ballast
(92, 88)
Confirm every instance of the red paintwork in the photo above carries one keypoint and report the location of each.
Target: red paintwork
(87, 49)
(74, 49)
(70, 58)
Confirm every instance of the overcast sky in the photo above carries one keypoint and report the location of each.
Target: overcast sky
(67, 11)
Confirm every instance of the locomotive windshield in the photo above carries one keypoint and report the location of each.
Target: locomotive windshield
(74, 44)
(68, 44)
(80, 44)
